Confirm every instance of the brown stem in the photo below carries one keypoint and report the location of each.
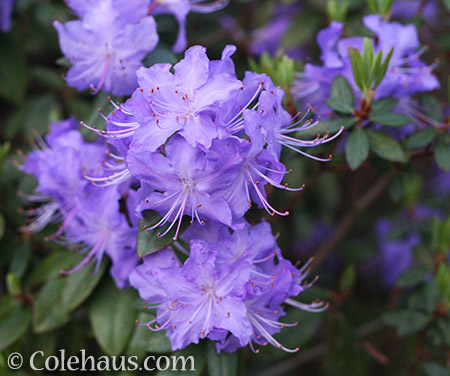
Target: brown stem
(348, 219)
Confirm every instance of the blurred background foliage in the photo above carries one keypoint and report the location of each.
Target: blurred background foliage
(370, 329)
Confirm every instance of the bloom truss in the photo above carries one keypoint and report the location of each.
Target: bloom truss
(192, 141)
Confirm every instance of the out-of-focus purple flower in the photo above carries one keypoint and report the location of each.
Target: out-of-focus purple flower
(106, 47)
(268, 38)
(58, 164)
(229, 290)
(406, 9)
(396, 254)
(406, 74)
(99, 228)
(130, 10)
(89, 216)
(6, 8)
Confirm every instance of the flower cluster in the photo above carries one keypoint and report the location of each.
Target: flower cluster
(406, 74)
(230, 289)
(192, 140)
(108, 42)
(201, 142)
(90, 216)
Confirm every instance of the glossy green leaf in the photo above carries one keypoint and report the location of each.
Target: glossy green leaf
(341, 96)
(383, 105)
(442, 155)
(148, 241)
(79, 286)
(357, 67)
(390, 119)
(112, 316)
(386, 147)
(357, 147)
(48, 310)
(52, 265)
(14, 321)
(422, 138)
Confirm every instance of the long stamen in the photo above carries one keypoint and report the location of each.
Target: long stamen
(95, 90)
(254, 320)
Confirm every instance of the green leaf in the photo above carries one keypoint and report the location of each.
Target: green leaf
(357, 67)
(223, 364)
(52, 265)
(14, 321)
(148, 241)
(384, 105)
(383, 69)
(341, 96)
(357, 147)
(142, 337)
(48, 311)
(386, 147)
(390, 119)
(21, 257)
(406, 321)
(112, 316)
(422, 138)
(368, 57)
(412, 277)
(442, 155)
(79, 286)
(13, 284)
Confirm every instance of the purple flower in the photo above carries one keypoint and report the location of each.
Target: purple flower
(6, 8)
(130, 10)
(185, 181)
(58, 164)
(406, 74)
(196, 297)
(406, 9)
(230, 289)
(396, 255)
(99, 228)
(89, 216)
(105, 47)
(201, 142)
(182, 102)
